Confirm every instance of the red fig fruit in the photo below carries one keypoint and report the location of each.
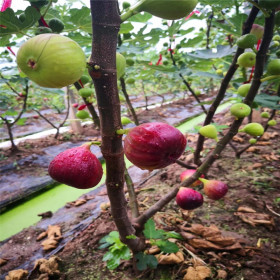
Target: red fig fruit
(189, 199)
(75, 105)
(188, 173)
(154, 145)
(77, 167)
(214, 189)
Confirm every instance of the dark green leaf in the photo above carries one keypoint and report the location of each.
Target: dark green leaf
(145, 261)
(167, 246)
(150, 230)
(21, 121)
(268, 101)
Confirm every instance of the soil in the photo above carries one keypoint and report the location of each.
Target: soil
(237, 237)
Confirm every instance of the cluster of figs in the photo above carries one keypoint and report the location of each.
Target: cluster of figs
(148, 146)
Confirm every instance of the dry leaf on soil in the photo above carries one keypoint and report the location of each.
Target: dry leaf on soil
(269, 135)
(173, 258)
(3, 261)
(197, 273)
(50, 267)
(222, 274)
(19, 274)
(237, 139)
(54, 235)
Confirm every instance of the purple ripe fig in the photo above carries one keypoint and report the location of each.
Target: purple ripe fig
(257, 30)
(77, 167)
(188, 173)
(214, 189)
(154, 145)
(189, 199)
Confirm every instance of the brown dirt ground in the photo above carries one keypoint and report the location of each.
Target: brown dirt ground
(253, 250)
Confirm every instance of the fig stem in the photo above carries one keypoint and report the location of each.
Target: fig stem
(132, 11)
(270, 78)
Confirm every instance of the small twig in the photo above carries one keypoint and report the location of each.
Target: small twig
(271, 210)
(181, 163)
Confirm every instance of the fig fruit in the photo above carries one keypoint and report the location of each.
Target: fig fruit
(247, 41)
(219, 71)
(125, 5)
(265, 115)
(84, 79)
(188, 173)
(273, 67)
(130, 62)
(253, 129)
(189, 199)
(130, 81)
(252, 141)
(154, 145)
(86, 92)
(169, 9)
(240, 110)
(51, 60)
(56, 25)
(247, 59)
(81, 114)
(214, 189)
(120, 64)
(272, 122)
(126, 120)
(77, 167)
(75, 105)
(243, 90)
(209, 131)
(257, 30)
(276, 38)
(269, 4)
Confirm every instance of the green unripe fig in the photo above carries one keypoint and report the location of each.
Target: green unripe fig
(165, 44)
(169, 9)
(42, 30)
(126, 120)
(85, 79)
(247, 41)
(209, 131)
(265, 115)
(253, 129)
(130, 62)
(243, 90)
(276, 38)
(56, 25)
(86, 92)
(269, 4)
(197, 92)
(22, 17)
(257, 30)
(120, 64)
(277, 19)
(51, 60)
(219, 71)
(273, 67)
(240, 110)
(125, 5)
(252, 141)
(272, 122)
(165, 63)
(220, 66)
(247, 59)
(122, 98)
(130, 81)
(82, 114)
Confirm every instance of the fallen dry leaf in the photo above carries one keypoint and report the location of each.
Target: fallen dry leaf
(42, 236)
(153, 250)
(254, 166)
(54, 232)
(269, 135)
(237, 139)
(197, 273)
(173, 258)
(262, 143)
(3, 261)
(48, 266)
(222, 274)
(54, 235)
(253, 149)
(270, 157)
(79, 202)
(19, 274)
(245, 209)
(49, 244)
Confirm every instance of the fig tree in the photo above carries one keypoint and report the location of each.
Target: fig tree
(247, 59)
(51, 60)
(189, 199)
(77, 167)
(154, 145)
(169, 9)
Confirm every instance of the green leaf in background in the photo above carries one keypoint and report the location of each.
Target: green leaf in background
(150, 230)
(81, 18)
(140, 17)
(167, 246)
(160, 68)
(126, 28)
(173, 234)
(13, 25)
(145, 261)
(21, 121)
(268, 101)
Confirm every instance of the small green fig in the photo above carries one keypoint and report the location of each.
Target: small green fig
(126, 120)
(272, 122)
(125, 5)
(219, 71)
(253, 141)
(85, 79)
(265, 115)
(276, 38)
(130, 81)
(273, 67)
(82, 115)
(209, 131)
(120, 64)
(56, 25)
(240, 110)
(243, 90)
(247, 59)
(247, 41)
(253, 129)
(130, 62)
(86, 92)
